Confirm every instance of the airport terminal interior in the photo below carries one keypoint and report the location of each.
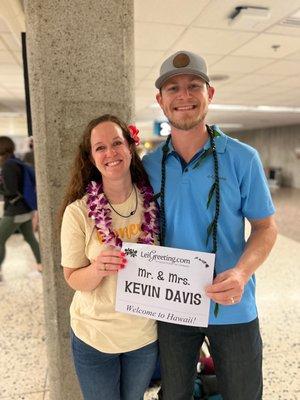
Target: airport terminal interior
(253, 55)
(23, 368)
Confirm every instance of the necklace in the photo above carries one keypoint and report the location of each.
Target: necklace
(132, 212)
(99, 211)
(215, 189)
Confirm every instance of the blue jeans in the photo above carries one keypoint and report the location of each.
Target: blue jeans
(105, 376)
(236, 351)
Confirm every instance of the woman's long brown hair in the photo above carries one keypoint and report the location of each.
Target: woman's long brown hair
(84, 171)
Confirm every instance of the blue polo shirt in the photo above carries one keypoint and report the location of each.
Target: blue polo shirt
(244, 193)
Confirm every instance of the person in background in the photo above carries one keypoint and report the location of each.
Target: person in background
(29, 159)
(17, 214)
(209, 184)
(29, 155)
(108, 200)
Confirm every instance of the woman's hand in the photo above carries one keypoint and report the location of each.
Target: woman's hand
(109, 261)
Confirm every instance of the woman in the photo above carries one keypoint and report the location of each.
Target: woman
(17, 214)
(109, 200)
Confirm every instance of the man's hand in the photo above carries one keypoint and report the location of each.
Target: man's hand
(227, 287)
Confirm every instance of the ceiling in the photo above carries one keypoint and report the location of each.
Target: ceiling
(259, 57)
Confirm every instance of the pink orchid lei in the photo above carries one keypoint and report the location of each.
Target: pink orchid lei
(99, 211)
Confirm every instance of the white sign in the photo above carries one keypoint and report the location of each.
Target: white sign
(165, 284)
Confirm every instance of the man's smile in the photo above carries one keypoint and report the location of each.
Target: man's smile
(185, 108)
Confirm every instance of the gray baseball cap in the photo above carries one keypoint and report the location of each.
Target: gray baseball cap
(182, 62)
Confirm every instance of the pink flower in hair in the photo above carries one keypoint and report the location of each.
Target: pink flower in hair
(134, 133)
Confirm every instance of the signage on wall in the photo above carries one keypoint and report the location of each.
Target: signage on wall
(161, 128)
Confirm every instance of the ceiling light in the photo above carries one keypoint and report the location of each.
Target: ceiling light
(229, 125)
(292, 21)
(266, 109)
(218, 77)
(247, 17)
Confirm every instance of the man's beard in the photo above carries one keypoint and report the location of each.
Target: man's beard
(187, 124)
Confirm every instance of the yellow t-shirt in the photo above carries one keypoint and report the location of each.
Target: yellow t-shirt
(93, 316)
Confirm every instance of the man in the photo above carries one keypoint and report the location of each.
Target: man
(17, 213)
(208, 183)
(29, 155)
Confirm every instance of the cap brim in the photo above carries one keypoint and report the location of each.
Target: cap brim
(162, 79)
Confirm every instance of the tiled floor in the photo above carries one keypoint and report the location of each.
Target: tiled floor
(287, 202)
(23, 366)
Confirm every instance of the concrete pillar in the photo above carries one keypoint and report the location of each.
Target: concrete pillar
(81, 60)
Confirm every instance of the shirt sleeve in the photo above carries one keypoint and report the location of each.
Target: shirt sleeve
(256, 198)
(73, 239)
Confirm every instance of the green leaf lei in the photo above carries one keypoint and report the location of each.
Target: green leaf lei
(213, 192)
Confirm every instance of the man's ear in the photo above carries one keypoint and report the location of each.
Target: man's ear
(158, 98)
(211, 92)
